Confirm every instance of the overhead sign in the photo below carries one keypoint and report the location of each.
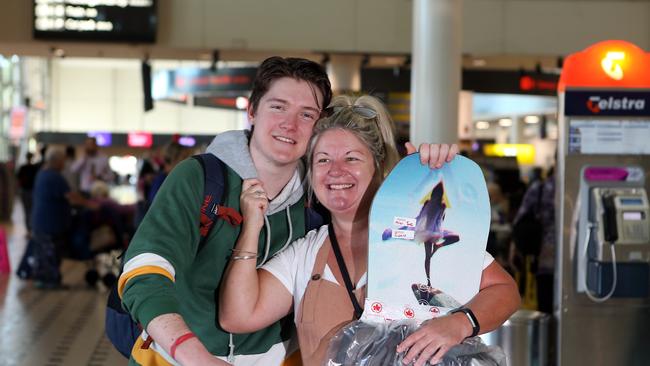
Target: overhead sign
(17, 127)
(205, 80)
(140, 139)
(222, 88)
(96, 20)
(525, 153)
(606, 103)
(102, 138)
(478, 80)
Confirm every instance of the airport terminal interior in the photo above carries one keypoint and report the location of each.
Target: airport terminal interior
(551, 98)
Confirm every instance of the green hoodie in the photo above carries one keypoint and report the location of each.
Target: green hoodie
(165, 248)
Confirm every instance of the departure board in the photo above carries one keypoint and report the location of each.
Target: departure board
(132, 21)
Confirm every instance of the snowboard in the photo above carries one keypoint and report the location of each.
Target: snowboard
(427, 236)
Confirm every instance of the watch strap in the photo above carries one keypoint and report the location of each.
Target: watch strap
(476, 327)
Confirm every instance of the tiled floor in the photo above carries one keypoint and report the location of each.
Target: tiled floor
(51, 327)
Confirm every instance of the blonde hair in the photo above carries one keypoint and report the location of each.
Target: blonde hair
(377, 133)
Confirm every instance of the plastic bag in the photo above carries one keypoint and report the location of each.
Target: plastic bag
(367, 344)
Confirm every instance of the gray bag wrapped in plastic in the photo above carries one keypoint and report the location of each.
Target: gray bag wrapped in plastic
(372, 344)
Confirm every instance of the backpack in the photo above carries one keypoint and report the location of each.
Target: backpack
(120, 328)
(528, 231)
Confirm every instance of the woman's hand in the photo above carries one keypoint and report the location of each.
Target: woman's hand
(434, 338)
(434, 155)
(253, 203)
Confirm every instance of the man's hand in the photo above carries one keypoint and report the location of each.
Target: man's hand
(253, 202)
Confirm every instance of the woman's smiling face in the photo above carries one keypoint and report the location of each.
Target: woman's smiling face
(342, 170)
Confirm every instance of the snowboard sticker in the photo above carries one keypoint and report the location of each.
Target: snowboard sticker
(427, 238)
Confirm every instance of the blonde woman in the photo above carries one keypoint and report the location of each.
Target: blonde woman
(349, 154)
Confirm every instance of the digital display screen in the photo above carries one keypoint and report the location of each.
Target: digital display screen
(633, 215)
(187, 141)
(96, 20)
(631, 201)
(139, 139)
(102, 138)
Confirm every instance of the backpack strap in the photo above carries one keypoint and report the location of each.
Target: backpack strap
(213, 195)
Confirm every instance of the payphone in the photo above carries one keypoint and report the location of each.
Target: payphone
(602, 267)
(612, 254)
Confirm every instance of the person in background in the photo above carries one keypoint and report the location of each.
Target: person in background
(173, 153)
(499, 235)
(146, 174)
(71, 177)
(97, 211)
(26, 177)
(349, 155)
(92, 166)
(51, 217)
(540, 199)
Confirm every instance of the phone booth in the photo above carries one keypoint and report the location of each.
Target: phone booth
(602, 277)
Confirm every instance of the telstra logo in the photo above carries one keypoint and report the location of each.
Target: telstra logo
(597, 104)
(612, 64)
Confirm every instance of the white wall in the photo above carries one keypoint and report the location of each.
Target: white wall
(490, 27)
(107, 95)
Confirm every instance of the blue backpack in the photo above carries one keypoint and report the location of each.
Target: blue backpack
(121, 330)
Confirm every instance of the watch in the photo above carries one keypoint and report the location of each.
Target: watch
(476, 327)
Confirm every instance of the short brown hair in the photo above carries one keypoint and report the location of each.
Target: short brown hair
(276, 67)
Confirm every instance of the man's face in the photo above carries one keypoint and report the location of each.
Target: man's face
(283, 121)
(90, 145)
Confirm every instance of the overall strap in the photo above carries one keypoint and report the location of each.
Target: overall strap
(344, 271)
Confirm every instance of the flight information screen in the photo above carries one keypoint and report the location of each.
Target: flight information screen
(96, 20)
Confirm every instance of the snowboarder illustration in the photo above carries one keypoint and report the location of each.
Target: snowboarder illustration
(428, 230)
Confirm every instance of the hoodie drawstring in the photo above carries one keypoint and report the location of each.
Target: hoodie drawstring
(267, 244)
(290, 229)
(231, 346)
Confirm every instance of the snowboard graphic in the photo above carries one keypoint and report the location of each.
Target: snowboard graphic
(427, 238)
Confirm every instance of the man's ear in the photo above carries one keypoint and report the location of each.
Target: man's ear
(250, 113)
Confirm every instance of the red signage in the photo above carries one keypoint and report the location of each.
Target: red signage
(17, 128)
(139, 139)
(529, 83)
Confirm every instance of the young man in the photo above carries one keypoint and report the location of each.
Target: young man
(169, 284)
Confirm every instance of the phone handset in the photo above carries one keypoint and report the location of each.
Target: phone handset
(610, 236)
(610, 228)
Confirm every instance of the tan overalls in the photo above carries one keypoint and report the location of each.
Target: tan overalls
(324, 306)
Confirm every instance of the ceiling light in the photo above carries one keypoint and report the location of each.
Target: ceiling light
(482, 125)
(505, 122)
(479, 62)
(531, 119)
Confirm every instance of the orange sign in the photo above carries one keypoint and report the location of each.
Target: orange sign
(608, 64)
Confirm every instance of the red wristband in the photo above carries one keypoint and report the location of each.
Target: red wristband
(178, 341)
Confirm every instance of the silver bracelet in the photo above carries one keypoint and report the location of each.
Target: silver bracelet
(242, 257)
